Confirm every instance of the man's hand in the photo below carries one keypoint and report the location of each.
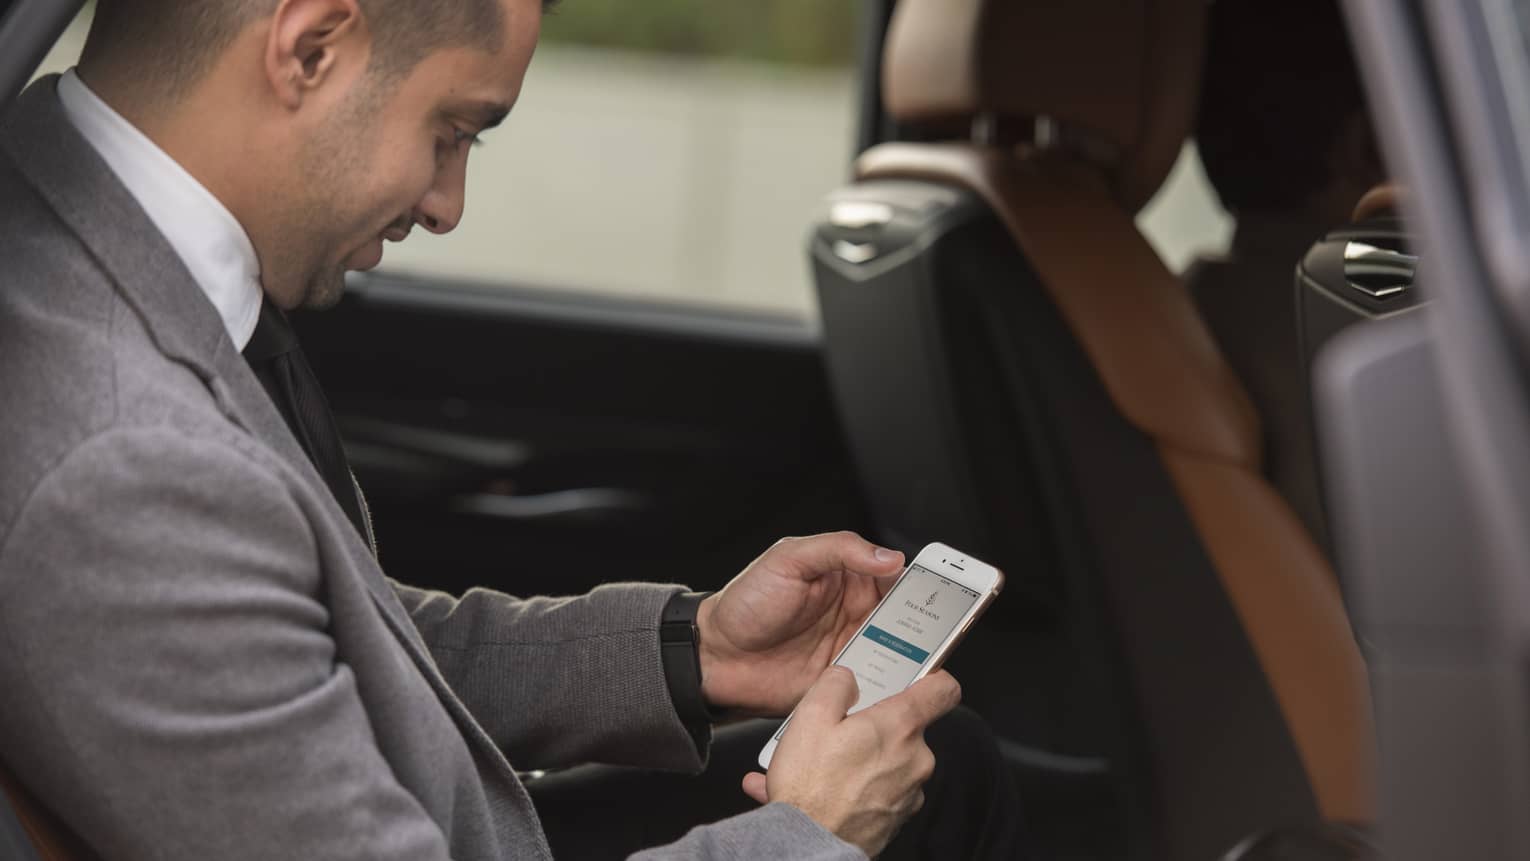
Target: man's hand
(860, 776)
(767, 636)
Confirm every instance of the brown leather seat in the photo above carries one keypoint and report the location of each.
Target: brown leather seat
(50, 839)
(1243, 696)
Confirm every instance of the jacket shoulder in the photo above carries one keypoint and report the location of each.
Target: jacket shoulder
(75, 359)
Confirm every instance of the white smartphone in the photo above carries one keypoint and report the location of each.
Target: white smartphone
(921, 619)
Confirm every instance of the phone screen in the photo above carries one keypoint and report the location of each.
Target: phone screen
(916, 617)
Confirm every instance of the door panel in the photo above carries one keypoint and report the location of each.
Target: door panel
(543, 443)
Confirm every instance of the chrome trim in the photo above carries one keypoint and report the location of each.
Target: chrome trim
(1380, 273)
(857, 214)
(855, 252)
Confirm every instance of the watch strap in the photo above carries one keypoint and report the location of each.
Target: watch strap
(680, 652)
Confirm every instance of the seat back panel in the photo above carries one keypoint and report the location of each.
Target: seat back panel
(1155, 357)
(1163, 372)
(1148, 664)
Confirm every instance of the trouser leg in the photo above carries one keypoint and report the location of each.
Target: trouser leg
(971, 807)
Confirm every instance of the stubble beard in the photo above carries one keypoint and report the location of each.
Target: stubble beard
(324, 288)
(331, 167)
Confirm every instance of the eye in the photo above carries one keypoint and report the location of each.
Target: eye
(459, 137)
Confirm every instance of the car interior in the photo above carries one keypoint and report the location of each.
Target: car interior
(1185, 661)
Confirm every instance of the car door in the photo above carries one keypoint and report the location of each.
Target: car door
(546, 442)
(1424, 419)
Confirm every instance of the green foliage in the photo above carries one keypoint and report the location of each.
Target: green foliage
(803, 32)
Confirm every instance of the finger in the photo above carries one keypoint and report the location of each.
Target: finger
(921, 703)
(754, 787)
(817, 555)
(829, 698)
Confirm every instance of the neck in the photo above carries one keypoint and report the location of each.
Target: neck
(216, 147)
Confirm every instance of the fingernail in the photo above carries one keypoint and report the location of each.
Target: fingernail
(885, 555)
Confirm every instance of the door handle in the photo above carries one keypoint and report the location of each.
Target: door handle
(412, 442)
(574, 504)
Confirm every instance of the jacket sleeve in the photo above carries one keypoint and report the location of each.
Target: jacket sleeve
(772, 831)
(561, 681)
(170, 684)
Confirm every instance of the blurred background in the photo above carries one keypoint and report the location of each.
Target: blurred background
(676, 150)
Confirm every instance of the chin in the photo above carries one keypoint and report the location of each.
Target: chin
(325, 290)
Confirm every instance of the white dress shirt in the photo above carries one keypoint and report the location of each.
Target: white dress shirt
(209, 240)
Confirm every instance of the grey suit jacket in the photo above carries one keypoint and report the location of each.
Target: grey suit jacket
(199, 656)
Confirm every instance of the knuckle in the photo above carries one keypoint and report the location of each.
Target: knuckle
(841, 678)
(910, 716)
(873, 736)
(924, 764)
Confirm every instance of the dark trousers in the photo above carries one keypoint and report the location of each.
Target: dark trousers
(971, 808)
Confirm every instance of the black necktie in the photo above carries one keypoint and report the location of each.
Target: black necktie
(277, 360)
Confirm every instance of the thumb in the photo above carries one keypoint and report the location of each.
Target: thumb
(754, 787)
(827, 701)
(818, 555)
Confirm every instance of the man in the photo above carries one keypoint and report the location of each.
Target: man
(201, 656)
(1284, 138)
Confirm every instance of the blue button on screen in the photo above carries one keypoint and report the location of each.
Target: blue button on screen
(902, 647)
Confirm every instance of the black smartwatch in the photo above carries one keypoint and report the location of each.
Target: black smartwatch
(680, 650)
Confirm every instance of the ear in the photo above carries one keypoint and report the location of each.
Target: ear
(307, 41)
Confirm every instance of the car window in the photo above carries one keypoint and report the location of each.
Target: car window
(677, 150)
(670, 150)
(66, 51)
(1184, 220)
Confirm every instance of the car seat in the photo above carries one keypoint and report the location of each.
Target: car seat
(1019, 375)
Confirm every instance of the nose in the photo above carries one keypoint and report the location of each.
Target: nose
(440, 210)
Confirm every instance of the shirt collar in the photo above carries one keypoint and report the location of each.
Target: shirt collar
(209, 240)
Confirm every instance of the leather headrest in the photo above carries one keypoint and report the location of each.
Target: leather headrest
(1123, 71)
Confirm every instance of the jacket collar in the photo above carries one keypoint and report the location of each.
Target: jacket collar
(67, 172)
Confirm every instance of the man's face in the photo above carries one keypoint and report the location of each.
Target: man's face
(394, 154)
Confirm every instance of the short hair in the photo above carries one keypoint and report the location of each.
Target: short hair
(1279, 84)
(187, 36)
